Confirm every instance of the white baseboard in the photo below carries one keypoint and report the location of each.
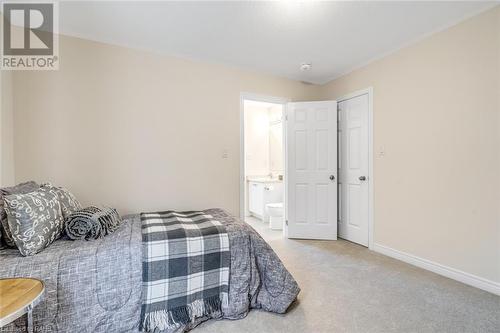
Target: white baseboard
(452, 273)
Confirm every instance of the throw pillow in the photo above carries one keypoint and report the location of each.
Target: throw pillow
(22, 188)
(2, 243)
(69, 204)
(35, 220)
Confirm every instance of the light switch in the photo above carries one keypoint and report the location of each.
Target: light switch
(225, 154)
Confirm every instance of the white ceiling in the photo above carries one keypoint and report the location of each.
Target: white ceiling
(273, 37)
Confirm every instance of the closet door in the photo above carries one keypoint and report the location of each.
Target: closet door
(353, 169)
(312, 170)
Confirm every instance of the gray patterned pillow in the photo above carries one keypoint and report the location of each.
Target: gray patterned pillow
(35, 220)
(69, 204)
(22, 188)
(2, 243)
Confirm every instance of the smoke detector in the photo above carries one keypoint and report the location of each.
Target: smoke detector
(306, 66)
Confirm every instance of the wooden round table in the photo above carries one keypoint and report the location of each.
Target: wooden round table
(18, 296)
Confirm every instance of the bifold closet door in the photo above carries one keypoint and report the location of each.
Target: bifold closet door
(311, 182)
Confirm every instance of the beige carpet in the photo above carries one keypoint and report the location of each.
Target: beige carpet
(347, 288)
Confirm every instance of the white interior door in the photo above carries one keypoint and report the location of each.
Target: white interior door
(311, 183)
(353, 169)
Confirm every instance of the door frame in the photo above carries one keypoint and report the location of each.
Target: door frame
(371, 215)
(258, 98)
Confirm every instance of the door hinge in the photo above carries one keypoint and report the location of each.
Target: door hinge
(286, 222)
(286, 117)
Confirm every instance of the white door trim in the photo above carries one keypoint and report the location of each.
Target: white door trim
(258, 98)
(368, 91)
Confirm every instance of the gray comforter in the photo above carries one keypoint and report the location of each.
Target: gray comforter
(95, 286)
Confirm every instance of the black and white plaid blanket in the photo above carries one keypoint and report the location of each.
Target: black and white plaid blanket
(185, 268)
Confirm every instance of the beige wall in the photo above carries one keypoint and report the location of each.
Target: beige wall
(136, 130)
(6, 127)
(6, 130)
(437, 113)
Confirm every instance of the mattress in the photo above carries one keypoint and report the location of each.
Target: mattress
(95, 286)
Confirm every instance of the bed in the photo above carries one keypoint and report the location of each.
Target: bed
(95, 286)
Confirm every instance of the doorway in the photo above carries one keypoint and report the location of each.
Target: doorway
(315, 207)
(355, 183)
(262, 161)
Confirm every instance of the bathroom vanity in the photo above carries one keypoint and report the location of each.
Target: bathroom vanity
(261, 191)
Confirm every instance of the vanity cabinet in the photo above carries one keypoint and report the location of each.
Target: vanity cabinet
(256, 198)
(262, 193)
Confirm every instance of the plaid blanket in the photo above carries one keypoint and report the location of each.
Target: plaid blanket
(185, 268)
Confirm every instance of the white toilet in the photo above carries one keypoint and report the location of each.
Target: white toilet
(275, 213)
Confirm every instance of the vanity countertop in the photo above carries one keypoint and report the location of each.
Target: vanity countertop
(263, 180)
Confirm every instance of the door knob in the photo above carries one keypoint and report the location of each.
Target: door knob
(332, 177)
(362, 178)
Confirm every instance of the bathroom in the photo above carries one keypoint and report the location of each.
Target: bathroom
(263, 163)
